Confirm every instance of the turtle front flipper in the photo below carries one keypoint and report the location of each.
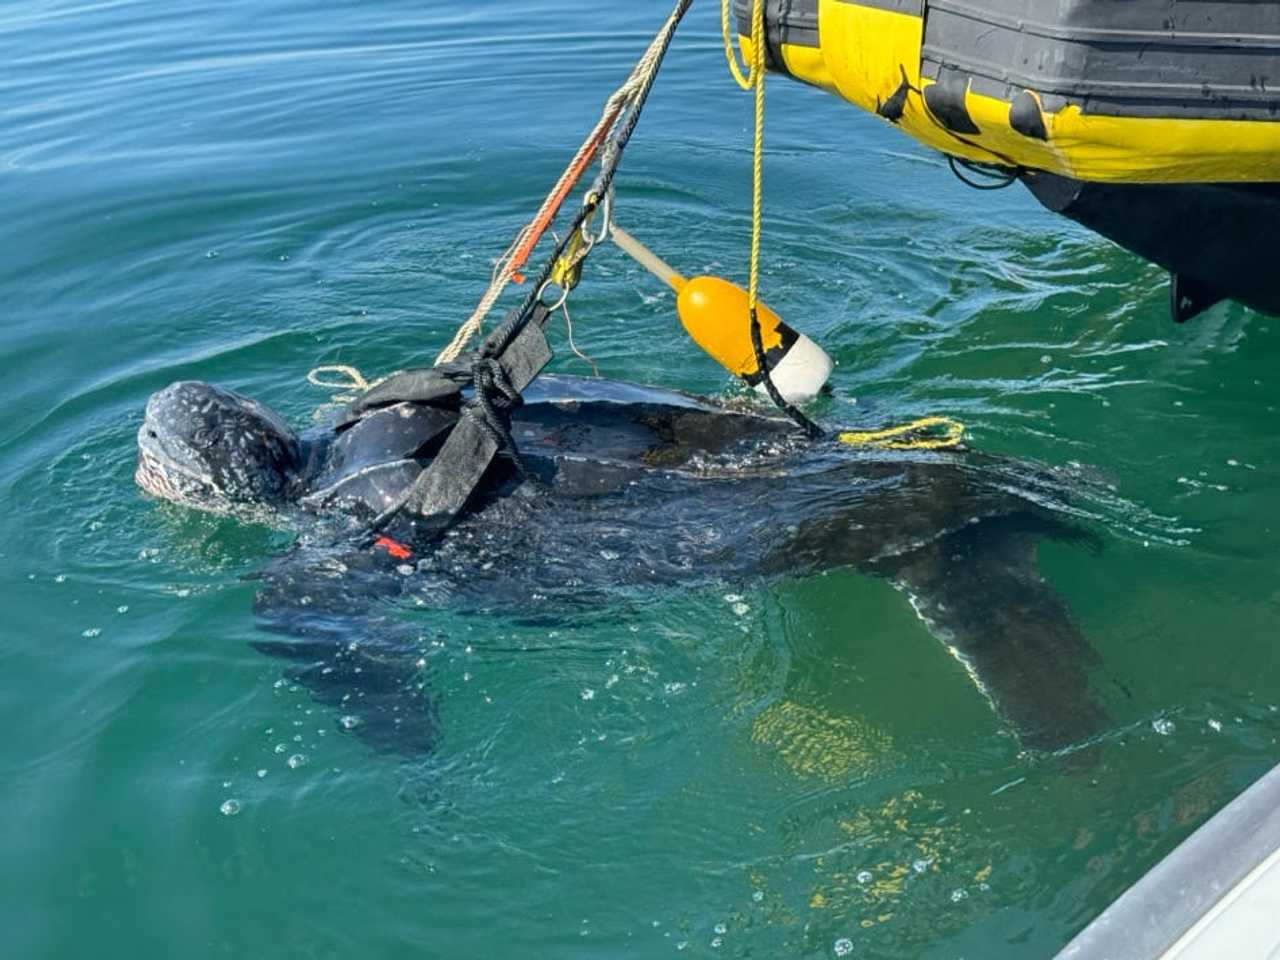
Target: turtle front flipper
(364, 663)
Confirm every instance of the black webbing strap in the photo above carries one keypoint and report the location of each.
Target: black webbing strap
(441, 492)
(811, 429)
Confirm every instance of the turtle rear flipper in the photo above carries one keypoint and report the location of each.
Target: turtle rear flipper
(979, 592)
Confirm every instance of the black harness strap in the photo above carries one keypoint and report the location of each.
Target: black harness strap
(441, 492)
(496, 399)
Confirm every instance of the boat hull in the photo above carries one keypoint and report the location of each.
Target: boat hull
(1154, 122)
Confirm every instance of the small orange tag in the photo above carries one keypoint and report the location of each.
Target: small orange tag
(397, 550)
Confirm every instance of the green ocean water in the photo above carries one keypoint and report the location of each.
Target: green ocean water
(241, 191)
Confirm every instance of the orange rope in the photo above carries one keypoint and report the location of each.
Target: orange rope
(550, 207)
(507, 267)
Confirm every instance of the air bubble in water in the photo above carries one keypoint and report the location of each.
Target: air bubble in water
(229, 808)
(1163, 726)
(843, 947)
(297, 760)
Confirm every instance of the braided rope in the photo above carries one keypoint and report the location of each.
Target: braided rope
(756, 67)
(757, 151)
(927, 433)
(515, 256)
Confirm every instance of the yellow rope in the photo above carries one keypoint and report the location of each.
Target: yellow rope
(753, 81)
(927, 433)
(757, 155)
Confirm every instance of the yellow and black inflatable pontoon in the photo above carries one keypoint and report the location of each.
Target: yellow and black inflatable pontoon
(1153, 122)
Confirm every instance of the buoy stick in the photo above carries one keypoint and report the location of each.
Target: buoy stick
(715, 312)
(647, 258)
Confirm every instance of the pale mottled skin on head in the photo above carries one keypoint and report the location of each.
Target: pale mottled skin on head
(213, 449)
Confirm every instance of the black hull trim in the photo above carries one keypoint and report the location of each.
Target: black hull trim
(1218, 241)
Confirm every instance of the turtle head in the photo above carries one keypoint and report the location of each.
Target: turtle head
(213, 449)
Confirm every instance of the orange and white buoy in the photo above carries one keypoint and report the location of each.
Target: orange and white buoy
(716, 315)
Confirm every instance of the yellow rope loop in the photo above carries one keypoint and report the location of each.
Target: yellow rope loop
(756, 67)
(927, 433)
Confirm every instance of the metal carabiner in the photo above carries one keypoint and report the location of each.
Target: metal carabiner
(564, 296)
(603, 235)
(597, 206)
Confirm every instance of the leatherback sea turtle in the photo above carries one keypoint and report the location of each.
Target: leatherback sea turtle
(672, 489)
